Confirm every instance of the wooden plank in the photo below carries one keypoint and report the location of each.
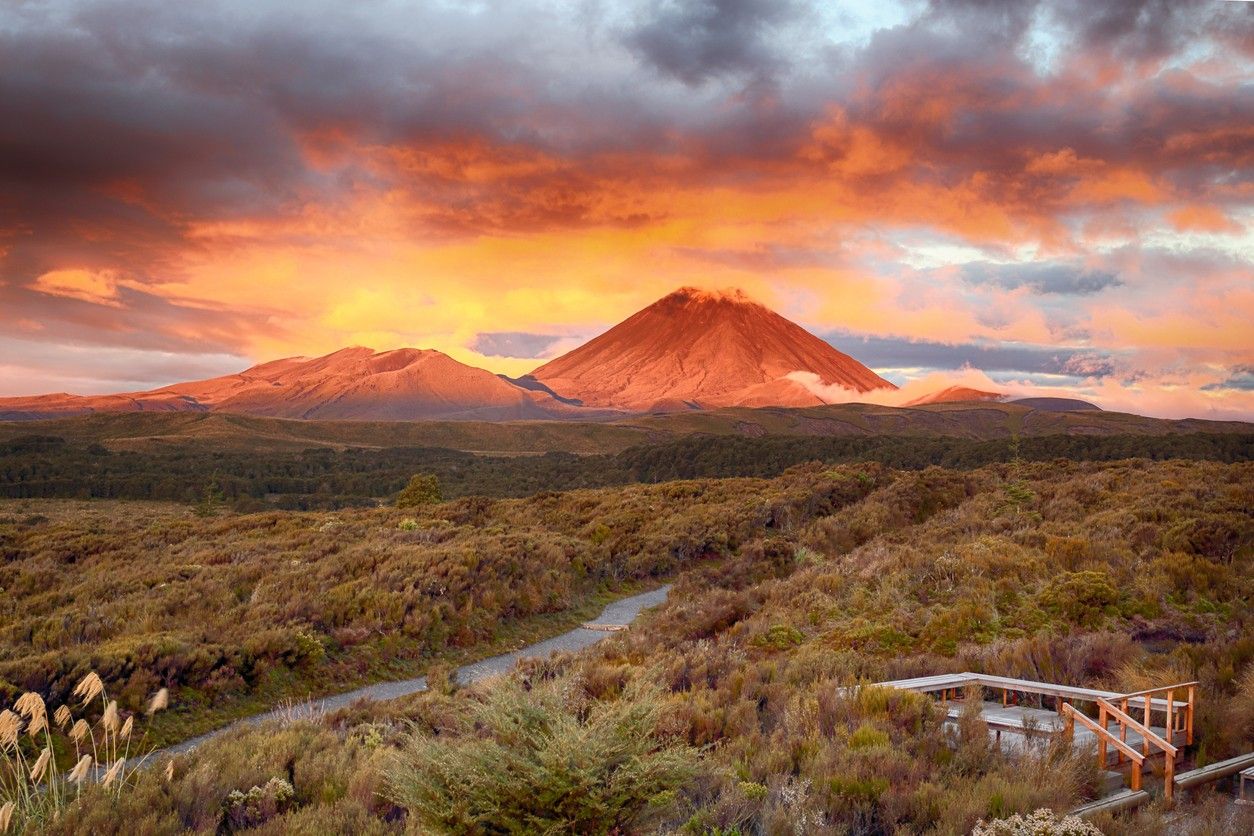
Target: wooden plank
(941, 682)
(1101, 738)
(1120, 801)
(1214, 772)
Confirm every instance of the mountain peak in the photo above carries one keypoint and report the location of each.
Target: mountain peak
(709, 347)
(688, 294)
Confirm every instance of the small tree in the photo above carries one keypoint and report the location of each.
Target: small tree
(423, 489)
(211, 500)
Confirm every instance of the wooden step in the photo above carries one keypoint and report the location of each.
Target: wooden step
(1112, 803)
(1214, 772)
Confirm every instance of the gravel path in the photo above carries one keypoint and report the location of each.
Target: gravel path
(620, 612)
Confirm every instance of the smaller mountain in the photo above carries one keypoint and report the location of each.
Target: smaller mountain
(353, 383)
(955, 394)
(707, 349)
(1058, 404)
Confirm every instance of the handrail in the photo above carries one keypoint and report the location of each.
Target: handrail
(1146, 733)
(1070, 711)
(938, 682)
(1150, 691)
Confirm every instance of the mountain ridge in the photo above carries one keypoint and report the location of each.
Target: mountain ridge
(692, 350)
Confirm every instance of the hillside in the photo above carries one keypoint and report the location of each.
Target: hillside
(353, 383)
(953, 420)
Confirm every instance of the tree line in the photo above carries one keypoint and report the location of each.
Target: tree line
(43, 466)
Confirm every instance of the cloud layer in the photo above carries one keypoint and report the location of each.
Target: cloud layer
(1064, 183)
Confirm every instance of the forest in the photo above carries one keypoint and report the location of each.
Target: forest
(725, 711)
(322, 478)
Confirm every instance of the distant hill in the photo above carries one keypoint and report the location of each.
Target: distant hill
(1057, 404)
(956, 394)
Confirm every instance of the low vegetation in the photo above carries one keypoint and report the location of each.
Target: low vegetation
(741, 706)
(224, 608)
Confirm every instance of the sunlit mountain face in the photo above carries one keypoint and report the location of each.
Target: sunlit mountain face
(1037, 199)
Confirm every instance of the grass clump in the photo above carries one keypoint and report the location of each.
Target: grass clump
(542, 761)
(35, 749)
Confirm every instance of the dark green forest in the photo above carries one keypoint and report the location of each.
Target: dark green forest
(44, 466)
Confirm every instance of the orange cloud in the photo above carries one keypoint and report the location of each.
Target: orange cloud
(1198, 218)
(100, 287)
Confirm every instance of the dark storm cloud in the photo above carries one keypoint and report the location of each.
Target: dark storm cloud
(1138, 29)
(1040, 277)
(136, 117)
(1240, 378)
(698, 40)
(131, 317)
(899, 353)
(124, 125)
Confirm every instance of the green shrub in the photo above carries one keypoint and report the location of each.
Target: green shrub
(243, 810)
(1083, 598)
(867, 736)
(423, 489)
(780, 637)
(541, 761)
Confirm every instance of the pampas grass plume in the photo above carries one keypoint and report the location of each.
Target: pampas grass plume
(79, 773)
(89, 688)
(37, 771)
(159, 701)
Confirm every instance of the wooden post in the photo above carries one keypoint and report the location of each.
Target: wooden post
(1188, 719)
(1170, 728)
(1145, 740)
(1169, 777)
(1004, 697)
(1101, 739)
(1123, 731)
(1136, 776)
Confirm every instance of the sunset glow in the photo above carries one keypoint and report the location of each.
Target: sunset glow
(1041, 197)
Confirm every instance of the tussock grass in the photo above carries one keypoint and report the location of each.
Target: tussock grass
(34, 789)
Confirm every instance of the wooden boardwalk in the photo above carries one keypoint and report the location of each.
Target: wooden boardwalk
(1149, 724)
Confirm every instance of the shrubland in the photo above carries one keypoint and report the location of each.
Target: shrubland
(741, 706)
(226, 608)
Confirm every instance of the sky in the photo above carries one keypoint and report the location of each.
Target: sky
(1046, 197)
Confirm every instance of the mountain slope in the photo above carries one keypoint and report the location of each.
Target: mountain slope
(711, 349)
(353, 383)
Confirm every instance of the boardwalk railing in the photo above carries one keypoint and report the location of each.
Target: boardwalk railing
(1104, 738)
(1179, 713)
